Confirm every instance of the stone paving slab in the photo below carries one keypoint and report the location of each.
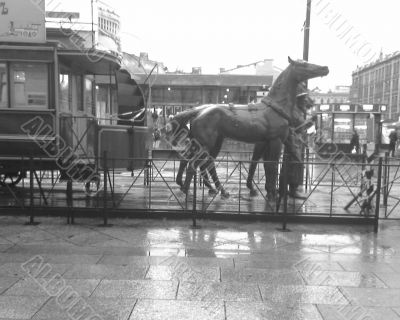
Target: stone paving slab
(6, 283)
(87, 308)
(373, 297)
(296, 294)
(11, 269)
(103, 271)
(178, 309)
(136, 289)
(337, 312)
(344, 278)
(192, 261)
(367, 267)
(18, 307)
(253, 275)
(139, 261)
(270, 311)
(210, 291)
(392, 280)
(45, 287)
(183, 272)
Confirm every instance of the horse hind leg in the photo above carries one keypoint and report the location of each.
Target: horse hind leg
(182, 167)
(257, 154)
(218, 185)
(213, 171)
(190, 171)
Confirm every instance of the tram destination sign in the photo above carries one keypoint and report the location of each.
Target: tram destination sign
(22, 21)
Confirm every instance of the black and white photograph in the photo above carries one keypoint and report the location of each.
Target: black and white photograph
(199, 160)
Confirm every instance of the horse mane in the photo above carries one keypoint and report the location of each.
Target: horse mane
(280, 95)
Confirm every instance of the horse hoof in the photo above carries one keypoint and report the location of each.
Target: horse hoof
(212, 192)
(253, 193)
(225, 195)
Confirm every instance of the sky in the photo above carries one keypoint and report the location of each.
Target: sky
(211, 34)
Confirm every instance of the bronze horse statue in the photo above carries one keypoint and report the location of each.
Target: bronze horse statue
(266, 121)
(270, 151)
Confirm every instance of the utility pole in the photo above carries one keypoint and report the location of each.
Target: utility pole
(306, 46)
(307, 31)
(91, 4)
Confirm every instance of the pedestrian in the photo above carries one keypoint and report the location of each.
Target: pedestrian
(392, 143)
(355, 142)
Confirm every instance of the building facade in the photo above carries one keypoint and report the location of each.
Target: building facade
(339, 95)
(94, 24)
(378, 83)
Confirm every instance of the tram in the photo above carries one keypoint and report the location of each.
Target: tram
(60, 105)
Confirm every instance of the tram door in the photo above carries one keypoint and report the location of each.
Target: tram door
(83, 121)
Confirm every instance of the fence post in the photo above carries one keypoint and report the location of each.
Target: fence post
(385, 179)
(105, 181)
(70, 216)
(240, 181)
(378, 196)
(194, 209)
(332, 186)
(149, 165)
(307, 169)
(285, 193)
(31, 196)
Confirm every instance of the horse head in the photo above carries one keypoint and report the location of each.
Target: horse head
(284, 89)
(303, 70)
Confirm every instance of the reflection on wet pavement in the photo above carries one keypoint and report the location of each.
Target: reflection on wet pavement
(153, 269)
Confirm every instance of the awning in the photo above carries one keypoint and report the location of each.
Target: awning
(89, 61)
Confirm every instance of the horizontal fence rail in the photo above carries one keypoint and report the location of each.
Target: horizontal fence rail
(335, 188)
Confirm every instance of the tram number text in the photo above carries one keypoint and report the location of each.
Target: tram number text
(3, 8)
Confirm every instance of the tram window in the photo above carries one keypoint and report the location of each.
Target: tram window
(65, 100)
(3, 86)
(29, 85)
(88, 94)
(77, 93)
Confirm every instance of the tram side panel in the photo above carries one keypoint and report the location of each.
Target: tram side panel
(126, 147)
(26, 134)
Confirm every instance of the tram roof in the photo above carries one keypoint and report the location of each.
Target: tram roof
(90, 62)
(219, 80)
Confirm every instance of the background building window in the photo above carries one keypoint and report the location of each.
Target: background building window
(3, 86)
(29, 85)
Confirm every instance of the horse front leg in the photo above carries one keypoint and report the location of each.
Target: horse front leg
(257, 153)
(271, 157)
(206, 180)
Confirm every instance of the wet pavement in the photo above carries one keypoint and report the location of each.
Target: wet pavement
(163, 269)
